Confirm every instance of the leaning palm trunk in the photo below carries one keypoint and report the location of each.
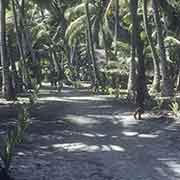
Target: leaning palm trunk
(156, 79)
(91, 46)
(167, 86)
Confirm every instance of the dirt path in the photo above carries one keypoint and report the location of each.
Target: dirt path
(78, 136)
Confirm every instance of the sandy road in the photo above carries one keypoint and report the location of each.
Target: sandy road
(80, 136)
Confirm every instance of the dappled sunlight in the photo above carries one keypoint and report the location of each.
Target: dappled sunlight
(93, 135)
(125, 133)
(89, 98)
(128, 133)
(55, 98)
(169, 166)
(101, 107)
(73, 127)
(174, 166)
(20, 100)
(72, 147)
(77, 99)
(148, 136)
(21, 154)
(125, 120)
(137, 134)
(81, 120)
(102, 116)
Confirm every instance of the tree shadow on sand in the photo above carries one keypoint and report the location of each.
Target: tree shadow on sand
(76, 136)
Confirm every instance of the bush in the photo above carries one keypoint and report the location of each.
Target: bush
(9, 141)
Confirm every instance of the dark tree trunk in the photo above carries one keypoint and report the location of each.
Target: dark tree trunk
(139, 46)
(132, 65)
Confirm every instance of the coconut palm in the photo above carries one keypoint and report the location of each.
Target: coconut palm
(167, 87)
(156, 78)
(7, 88)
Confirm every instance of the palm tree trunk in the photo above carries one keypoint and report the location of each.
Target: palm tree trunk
(167, 87)
(132, 65)
(91, 74)
(19, 45)
(178, 81)
(105, 46)
(156, 79)
(91, 46)
(13, 71)
(116, 25)
(178, 71)
(138, 45)
(4, 62)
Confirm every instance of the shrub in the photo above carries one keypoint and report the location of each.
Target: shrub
(13, 137)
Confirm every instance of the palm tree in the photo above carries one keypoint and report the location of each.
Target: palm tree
(116, 24)
(167, 87)
(85, 19)
(132, 66)
(21, 50)
(2, 47)
(138, 47)
(156, 79)
(6, 84)
(91, 46)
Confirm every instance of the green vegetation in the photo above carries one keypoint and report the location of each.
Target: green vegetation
(13, 137)
(114, 44)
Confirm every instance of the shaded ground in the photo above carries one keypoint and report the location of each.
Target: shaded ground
(78, 136)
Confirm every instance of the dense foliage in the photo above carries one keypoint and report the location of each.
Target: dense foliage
(114, 44)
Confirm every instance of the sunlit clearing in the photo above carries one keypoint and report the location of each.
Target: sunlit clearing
(72, 147)
(126, 133)
(147, 135)
(80, 120)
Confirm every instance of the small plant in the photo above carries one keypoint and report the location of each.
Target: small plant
(34, 95)
(175, 108)
(14, 137)
(158, 105)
